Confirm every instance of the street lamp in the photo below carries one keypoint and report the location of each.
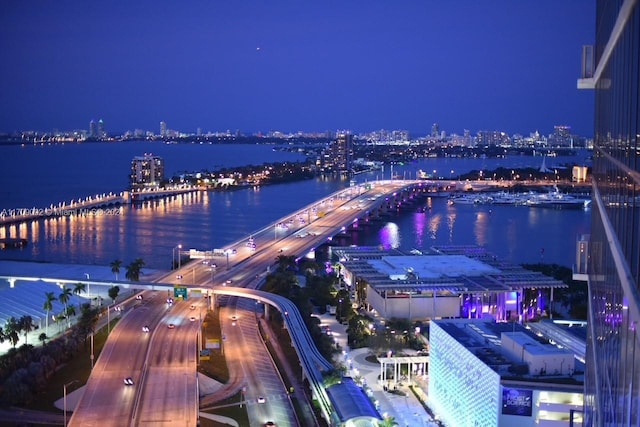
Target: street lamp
(88, 288)
(64, 400)
(213, 272)
(173, 256)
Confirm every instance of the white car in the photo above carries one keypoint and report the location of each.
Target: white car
(139, 296)
(261, 399)
(128, 381)
(145, 328)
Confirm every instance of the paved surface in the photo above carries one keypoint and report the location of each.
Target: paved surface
(407, 410)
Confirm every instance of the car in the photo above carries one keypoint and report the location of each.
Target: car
(192, 306)
(269, 424)
(179, 276)
(145, 328)
(192, 319)
(261, 399)
(128, 381)
(170, 301)
(139, 296)
(228, 282)
(171, 326)
(234, 317)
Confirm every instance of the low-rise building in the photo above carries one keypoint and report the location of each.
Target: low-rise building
(447, 282)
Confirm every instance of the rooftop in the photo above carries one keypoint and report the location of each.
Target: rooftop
(465, 269)
(494, 342)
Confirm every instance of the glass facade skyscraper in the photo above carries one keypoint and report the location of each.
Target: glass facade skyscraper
(612, 380)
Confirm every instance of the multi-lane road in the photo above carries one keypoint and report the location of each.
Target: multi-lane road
(162, 362)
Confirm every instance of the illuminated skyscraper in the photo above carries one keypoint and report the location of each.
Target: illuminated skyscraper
(612, 380)
(163, 129)
(102, 132)
(93, 129)
(339, 156)
(147, 171)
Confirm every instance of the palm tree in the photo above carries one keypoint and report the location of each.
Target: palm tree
(64, 299)
(11, 331)
(48, 306)
(115, 267)
(26, 325)
(388, 421)
(113, 292)
(134, 270)
(70, 311)
(78, 288)
(42, 338)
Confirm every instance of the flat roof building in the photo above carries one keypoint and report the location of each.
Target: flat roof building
(446, 282)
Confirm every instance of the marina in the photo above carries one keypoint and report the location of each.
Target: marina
(553, 199)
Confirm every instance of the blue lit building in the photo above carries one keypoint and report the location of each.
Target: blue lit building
(612, 69)
(483, 373)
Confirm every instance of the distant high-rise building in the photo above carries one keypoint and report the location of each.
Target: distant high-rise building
(163, 129)
(435, 130)
(102, 132)
(612, 377)
(93, 129)
(562, 136)
(147, 171)
(339, 155)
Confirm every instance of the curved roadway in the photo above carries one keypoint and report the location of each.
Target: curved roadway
(162, 363)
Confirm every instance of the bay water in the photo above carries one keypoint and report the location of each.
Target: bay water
(37, 176)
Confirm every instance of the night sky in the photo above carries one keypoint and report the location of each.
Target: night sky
(295, 65)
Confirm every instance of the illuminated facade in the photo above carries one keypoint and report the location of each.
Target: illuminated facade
(612, 68)
(483, 373)
(338, 157)
(147, 171)
(447, 281)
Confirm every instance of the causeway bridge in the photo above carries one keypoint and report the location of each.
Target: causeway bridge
(91, 205)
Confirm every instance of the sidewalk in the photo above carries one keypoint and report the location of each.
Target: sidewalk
(407, 410)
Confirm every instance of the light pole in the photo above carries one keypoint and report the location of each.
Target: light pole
(64, 400)
(88, 288)
(91, 357)
(173, 256)
(213, 272)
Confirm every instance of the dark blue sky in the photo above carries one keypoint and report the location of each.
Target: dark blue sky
(295, 65)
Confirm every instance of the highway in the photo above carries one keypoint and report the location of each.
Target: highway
(162, 362)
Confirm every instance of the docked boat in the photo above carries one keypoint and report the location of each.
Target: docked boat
(553, 200)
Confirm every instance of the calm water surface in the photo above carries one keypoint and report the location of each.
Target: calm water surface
(38, 176)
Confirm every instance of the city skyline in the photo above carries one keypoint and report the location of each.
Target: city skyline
(255, 67)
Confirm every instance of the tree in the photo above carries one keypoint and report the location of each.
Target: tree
(78, 288)
(134, 269)
(115, 267)
(42, 338)
(70, 311)
(48, 306)
(11, 330)
(113, 292)
(388, 421)
(26, 325)
(64, 299)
